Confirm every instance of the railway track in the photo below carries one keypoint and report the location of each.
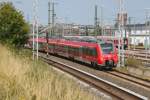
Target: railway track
(131, 78)
(115, 91)
(141, 55)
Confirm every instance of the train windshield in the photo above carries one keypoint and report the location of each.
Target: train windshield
(107, 48)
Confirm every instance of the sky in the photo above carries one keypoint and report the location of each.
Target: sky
(82, 11)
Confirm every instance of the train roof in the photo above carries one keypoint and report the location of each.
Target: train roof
(89, 39)
(74, 42)
(39, 39)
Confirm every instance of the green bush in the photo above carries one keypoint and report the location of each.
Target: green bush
(13, 27)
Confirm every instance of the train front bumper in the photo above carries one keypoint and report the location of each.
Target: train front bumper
(108, 64)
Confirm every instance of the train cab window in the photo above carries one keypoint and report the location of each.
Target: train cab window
(107, 48)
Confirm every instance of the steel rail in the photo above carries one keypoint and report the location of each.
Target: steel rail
(112, 89)
(130, 78)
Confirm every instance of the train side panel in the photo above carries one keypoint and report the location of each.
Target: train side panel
(83, 51)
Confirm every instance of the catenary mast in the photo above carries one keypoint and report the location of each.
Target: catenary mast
(35, 27)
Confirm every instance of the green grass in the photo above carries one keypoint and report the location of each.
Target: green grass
(24, 79)
(132, 62)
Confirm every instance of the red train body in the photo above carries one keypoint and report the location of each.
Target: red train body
(100, 54)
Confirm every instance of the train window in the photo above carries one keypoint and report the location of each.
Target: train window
(80, 50)
(76, 51)
(50, 46)
(84, 51)
(53, 46)
(71, 49)
(56, 46)
(60, 47)
(89, 51)
(66, 48)
(41, 45)
(94, 52)
(107, 48)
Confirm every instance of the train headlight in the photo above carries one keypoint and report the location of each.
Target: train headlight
(101, 59)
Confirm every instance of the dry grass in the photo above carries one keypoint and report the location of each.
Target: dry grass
(132, 62)
(23, 79)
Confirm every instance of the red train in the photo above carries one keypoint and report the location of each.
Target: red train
(93, 51)
(115, 40)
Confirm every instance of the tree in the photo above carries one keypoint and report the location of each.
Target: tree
(13, 27)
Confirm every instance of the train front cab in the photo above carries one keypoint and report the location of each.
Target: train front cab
(107, 56)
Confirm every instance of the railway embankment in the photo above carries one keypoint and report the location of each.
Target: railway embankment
(21, 78)
(137, 63)
(138, 71)
(141, 71)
